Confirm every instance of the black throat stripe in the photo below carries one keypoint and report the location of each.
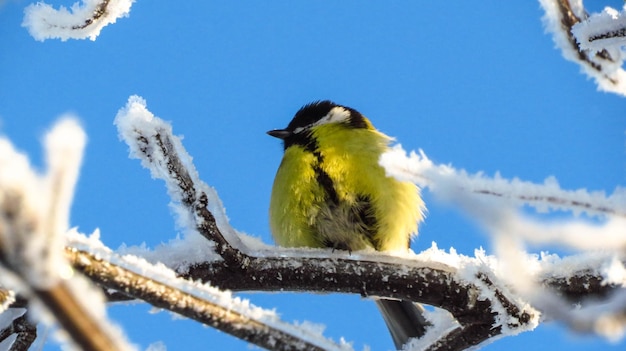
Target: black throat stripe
(309, 143)
(304, 139)
(324, 179)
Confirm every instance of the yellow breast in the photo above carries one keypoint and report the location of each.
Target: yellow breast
(349, 157)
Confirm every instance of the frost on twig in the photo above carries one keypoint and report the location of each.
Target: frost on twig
(197, 205)
(82, 21)
(456, 185)
(594, 42)
(34, 213)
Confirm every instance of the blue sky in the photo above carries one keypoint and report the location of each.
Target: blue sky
(477, 85)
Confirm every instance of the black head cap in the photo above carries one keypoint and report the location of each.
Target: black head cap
(311, 113)
(298, 130)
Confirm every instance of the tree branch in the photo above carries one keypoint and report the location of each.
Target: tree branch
(174, 299)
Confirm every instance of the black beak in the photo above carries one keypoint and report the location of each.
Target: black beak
(280, 133)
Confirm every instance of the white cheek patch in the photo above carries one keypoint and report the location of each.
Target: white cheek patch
(337, 114)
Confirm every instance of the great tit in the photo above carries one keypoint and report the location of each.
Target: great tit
(331, 192)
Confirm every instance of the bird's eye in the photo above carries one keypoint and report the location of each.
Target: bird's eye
(300, 130)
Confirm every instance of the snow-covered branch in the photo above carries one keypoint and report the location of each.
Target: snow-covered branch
(594, 42)
(82, 21)
(34, 213)
(457, 185)
(197, 205)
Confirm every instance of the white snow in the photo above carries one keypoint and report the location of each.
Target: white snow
(139, 128)
(442, 323)
(614, 272)
(8, 342)
(81, 21)
(42, 203)
(552, 22)
(7, 316)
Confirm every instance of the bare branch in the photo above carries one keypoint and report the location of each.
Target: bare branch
(618, 33)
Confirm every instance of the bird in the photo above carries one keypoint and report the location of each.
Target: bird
(331, 192)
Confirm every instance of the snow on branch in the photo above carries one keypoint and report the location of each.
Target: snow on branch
(198, 208)
(594, 42)
(456, 185)
(162, 288)
(34, 215)
(82, 21)
(35, 210)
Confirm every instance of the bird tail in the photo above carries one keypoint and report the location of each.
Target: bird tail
(404, 319)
